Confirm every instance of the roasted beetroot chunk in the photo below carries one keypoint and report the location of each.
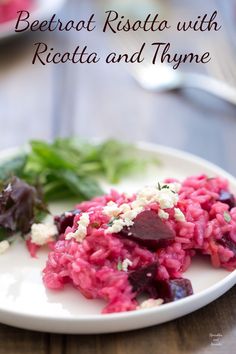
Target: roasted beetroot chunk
(174, 289)
(227, 198)
(143, 280)
(226, 241)
(64, 220)
(149, 230)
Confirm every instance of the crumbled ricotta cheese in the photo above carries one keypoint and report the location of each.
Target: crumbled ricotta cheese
(166, 198)
(166, 195)
(151, 303)
(138, 204)
(147, 194)
(124, 211)
(129, 215)
(163, 215)
(124, 208)
(42, 233)
(175, 186)
(179, 216)
(81, 232)
(125, 264)
(117, 226)
(111, 209)
(125, 216)
(4, 245)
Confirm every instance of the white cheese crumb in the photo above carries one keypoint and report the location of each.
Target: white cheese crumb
(111, 209)
(70, 235)
(151, 303)
(84, 219)
(138, 203)
(147, 195)
(117, 226)
(42, 233)
(124, 208)
(4, 245)
(81, 232)
(129, 215)
(175, 186)
(163, 215)
(167, 199)
(125, 264)
(179, 216)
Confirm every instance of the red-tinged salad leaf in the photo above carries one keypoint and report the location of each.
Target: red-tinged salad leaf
(20, 205)
(149, 230)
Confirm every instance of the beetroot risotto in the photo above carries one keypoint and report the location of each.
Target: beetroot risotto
(117, 247)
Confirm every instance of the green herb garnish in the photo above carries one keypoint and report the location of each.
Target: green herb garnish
(227, 216)
(95, 225)
(119, 266)
(110, 223)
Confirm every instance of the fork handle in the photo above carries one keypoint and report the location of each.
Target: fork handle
(208, 84)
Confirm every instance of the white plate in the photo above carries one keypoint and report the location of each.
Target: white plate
(43, 9)
(25, 303)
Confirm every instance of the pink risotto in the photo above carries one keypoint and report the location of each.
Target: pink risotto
(117, 247)
(9, 8)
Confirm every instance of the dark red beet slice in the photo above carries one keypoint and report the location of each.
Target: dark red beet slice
(64, 220)
(174, 289)
(227, 242)
(227, 198)
(142, 280)
(149, 230)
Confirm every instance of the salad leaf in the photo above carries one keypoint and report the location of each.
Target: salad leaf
(4, 234)
(13, 166)
(18, 204)
(71, 167)
(86, 187)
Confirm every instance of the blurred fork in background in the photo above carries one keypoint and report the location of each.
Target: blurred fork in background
(163, 78)
(219, 78)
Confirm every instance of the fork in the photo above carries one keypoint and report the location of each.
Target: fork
(220, 80)
(163, 78)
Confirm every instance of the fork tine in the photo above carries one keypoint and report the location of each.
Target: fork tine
(214, 68)
(223, 65)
